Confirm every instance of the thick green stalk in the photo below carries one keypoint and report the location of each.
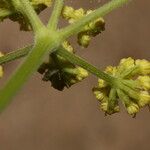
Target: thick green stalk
(52, 24)
(43, 47)
(100, 12)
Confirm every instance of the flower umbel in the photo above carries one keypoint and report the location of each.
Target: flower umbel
(132, 87)
(90, 30)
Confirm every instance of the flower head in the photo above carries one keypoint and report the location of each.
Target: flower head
(132, 86)
(60, 72)
(90, 30)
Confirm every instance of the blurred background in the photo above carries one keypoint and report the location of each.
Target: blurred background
(42, 118)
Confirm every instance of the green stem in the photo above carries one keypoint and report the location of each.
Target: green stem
(15, 54)
(64, 53)
(52, 24)
(43, 46)
(84, 64)
(100, 12)
(28, 11)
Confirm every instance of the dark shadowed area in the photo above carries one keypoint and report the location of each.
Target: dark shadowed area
(42, 118)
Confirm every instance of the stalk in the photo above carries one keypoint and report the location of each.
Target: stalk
(43, 47)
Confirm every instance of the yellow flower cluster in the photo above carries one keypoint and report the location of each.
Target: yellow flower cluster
(90, 30)
(60, 72)
(132, 88)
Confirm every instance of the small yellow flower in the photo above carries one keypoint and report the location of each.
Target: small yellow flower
(67, 11)
(104, 105)
(144, 98)
(72, 15)
(144, 82)
(100, 95)
(125, 64)
(132, 109)
(78, 14)
(84, 40)
(111, 70)
(68, 46)
(144, 66)
(81, 74)
(101, 83)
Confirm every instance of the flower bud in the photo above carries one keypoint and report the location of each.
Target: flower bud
(81, 73)
(78, 14)
(132, 109)
(104, 106)
(125, 64)
(101, 83)
(68, 46)
(72, 15)
(144, 82)
(144, 66)
(67, 12)
(84, 40)
(98, 94)
(111, 70)
(144, 98)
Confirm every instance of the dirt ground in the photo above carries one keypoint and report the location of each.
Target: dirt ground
(41, 118)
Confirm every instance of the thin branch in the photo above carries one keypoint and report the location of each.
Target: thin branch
(100, 12)
(52, 24)
(15, 54)
(74, 59)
